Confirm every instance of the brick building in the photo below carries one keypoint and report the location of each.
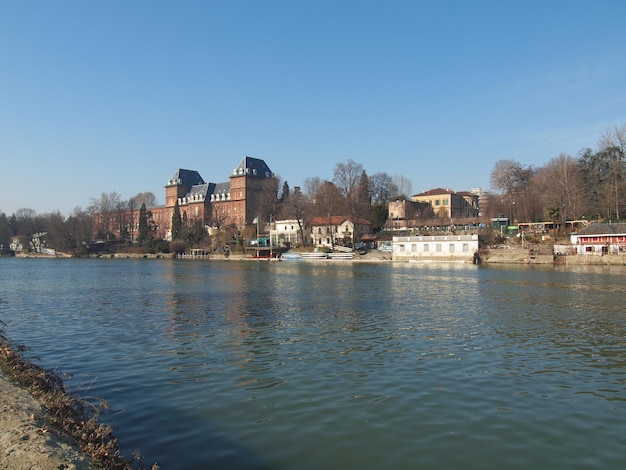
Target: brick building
(236, 202)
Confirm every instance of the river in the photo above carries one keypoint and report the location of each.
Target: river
(335, 364)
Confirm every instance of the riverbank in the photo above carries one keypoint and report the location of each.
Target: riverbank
(528, 256)
(27, 440)
(43, 426)
(489, 256)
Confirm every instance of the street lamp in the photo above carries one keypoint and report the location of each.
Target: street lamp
(512, 213)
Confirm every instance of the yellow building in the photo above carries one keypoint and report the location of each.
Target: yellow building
(450, 205)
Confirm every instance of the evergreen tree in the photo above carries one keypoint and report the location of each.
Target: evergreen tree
(144, 230)
(285, 193)
(364, 196)
(177, 223)
(379, 214)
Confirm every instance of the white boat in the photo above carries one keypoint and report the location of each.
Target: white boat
(291, 257)
(314, 255)
(341, 255)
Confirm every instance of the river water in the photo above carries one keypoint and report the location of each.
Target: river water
(335, 365)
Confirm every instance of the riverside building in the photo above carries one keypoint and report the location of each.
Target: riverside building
(236, 202)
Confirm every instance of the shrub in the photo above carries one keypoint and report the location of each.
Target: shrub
(178, 246)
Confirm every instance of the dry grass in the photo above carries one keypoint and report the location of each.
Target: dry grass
(67, 412)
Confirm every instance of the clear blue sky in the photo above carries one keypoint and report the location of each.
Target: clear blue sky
(103, 96)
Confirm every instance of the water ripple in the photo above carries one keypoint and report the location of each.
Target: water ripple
(310, 365)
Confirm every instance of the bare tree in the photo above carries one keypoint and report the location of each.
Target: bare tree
(382, 188)
(526, 199)
(79, 231)
(504, 176)
(268, 202)
(219, 217)
(147, 198)
(514, 180)
(105, 209)
(353, 183)
(346, 177)
(296, 206)
(328, 202)
(613, 145)
(615, 137)
(403, 185)
(560, 185)
(311, 186)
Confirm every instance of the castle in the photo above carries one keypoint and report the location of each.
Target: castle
(237, 202)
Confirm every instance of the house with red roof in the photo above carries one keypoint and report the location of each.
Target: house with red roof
(337, 230)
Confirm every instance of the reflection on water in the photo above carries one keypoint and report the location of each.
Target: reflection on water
(336, 365)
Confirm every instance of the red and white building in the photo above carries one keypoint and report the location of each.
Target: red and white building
(600, 239)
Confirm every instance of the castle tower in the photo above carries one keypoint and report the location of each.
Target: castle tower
(249, 189)
(179, 184)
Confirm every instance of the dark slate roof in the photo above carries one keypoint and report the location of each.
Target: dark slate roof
(218, 188)
(252, 167)
(185, 178)
(603, 229)
(198, 189)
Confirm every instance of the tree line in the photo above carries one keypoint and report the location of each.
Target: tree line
(350, 193)
(106, 218)
(591, 185)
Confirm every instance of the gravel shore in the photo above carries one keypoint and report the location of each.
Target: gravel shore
(27, 441)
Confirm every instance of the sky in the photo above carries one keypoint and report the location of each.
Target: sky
(115, 96)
